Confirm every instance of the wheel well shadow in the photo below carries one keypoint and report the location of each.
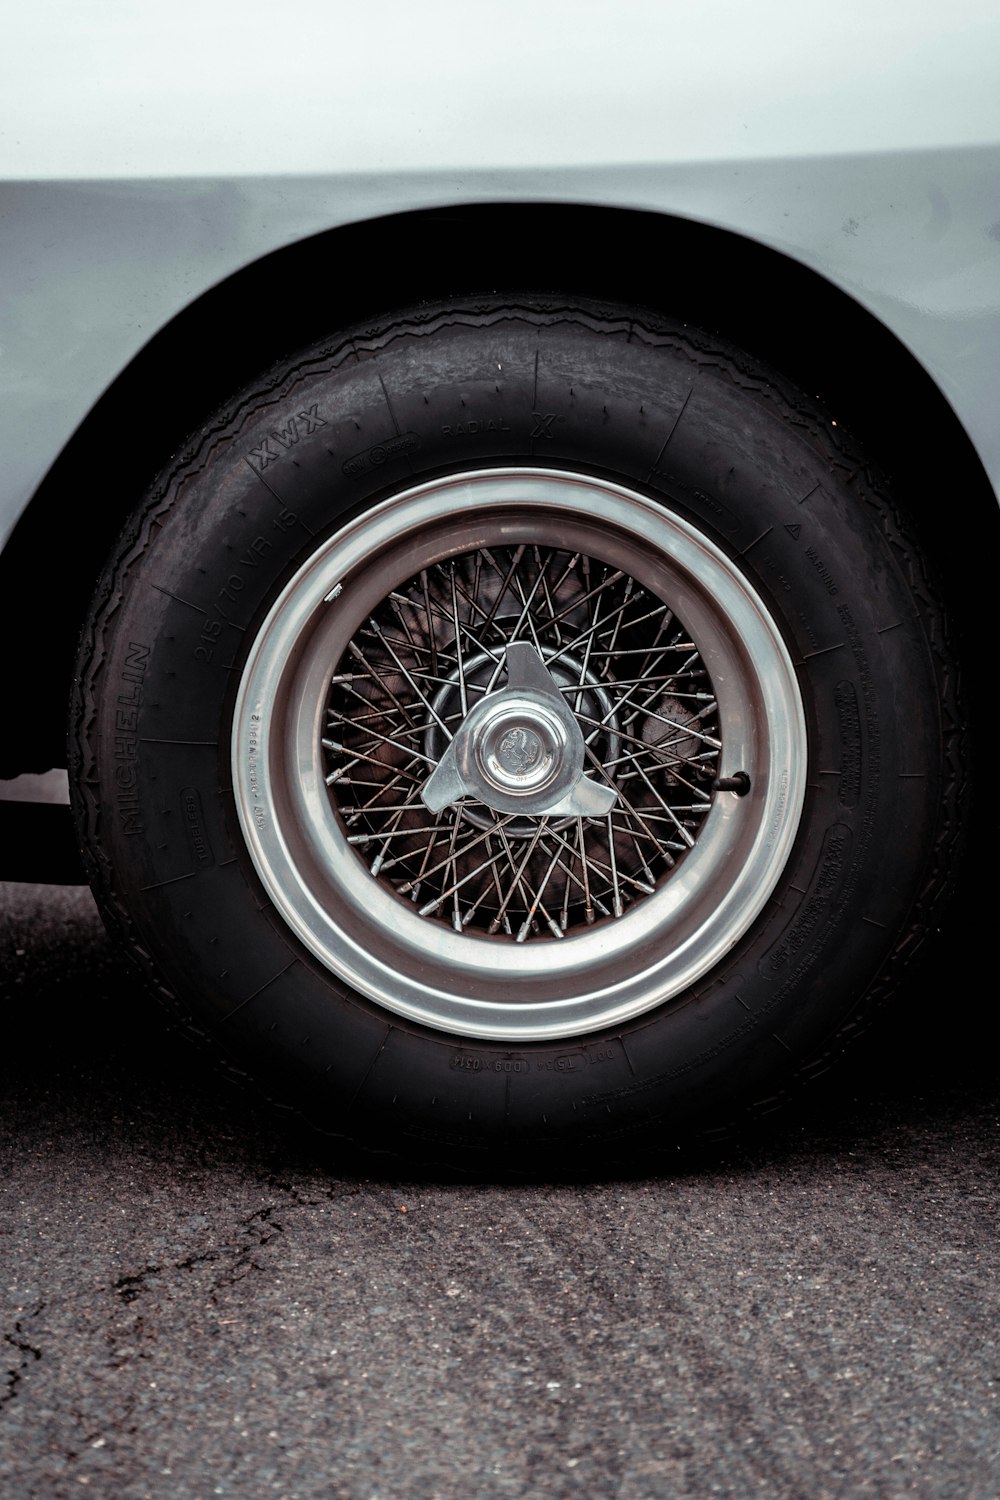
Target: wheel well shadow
(776, 309)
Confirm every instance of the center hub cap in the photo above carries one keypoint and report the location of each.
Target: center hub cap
(520, 750)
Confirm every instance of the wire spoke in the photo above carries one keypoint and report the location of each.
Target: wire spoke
(431, 651)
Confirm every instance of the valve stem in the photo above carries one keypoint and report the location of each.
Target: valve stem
(739, 783)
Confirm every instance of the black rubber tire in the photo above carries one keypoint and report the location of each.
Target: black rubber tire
(673, 415)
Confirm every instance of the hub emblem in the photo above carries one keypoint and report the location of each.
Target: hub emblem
(519, 751)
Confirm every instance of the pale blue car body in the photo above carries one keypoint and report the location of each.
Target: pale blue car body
(149, 153)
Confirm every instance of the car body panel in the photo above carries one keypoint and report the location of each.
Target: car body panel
(206, 88)
(864, 143)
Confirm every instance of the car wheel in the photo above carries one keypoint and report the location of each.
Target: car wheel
(517, 726)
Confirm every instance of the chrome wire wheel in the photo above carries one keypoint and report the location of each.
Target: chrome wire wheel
(518, 754)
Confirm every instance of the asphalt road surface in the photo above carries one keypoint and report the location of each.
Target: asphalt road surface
(194, 1305)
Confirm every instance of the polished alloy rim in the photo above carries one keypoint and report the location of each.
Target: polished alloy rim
(518, 754)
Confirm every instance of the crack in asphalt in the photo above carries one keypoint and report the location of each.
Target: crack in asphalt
(129, 1287)
(260, 1225)
(17, 1340)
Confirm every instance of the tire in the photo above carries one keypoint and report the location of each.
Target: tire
(668, 866)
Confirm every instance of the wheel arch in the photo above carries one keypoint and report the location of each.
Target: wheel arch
(779, 310)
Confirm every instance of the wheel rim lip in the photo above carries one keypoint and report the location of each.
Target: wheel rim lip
(367, 936)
